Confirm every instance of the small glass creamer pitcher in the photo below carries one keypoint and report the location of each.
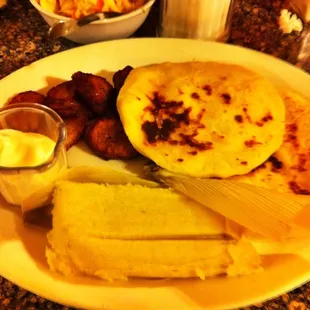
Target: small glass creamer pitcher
(22, 185)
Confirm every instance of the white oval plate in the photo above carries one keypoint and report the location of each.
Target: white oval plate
(22, 248)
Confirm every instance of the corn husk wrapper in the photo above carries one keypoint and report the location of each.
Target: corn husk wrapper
(268, 213)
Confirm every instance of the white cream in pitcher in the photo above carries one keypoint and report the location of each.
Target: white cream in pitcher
(21, 155)
(24, 149)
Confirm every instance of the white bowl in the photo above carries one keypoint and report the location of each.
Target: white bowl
(109, 29)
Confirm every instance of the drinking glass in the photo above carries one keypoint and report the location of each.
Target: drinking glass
(197, 19)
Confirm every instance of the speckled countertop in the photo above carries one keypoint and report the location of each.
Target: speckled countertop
(255, 25)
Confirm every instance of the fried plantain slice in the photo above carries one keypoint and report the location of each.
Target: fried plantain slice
(95, 91)
(75, 127)
(29, 96)
(111, 110)
(63, 100)
(107, 139)
(120, 76)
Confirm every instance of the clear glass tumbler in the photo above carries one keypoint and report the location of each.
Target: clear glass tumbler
(26, 186)
(196, 19)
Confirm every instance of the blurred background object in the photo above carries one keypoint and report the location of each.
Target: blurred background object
(302, 7)
(256, 25)
(3, 3)
(101, 30)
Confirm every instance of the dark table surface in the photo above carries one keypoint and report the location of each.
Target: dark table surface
(255, 25)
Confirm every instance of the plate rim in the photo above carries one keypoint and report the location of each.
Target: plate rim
(184, 41)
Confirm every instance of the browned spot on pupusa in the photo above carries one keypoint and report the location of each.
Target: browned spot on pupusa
(174, 142)
(190, 140)
(302, 161)
(246, 114)
(297, 189)
(244, 163)
(217, 136)
(239, 118)
(208, 90)
(276, 163)
(251, 143)
(169, 119)
(180, 160)
(291, 136)
(198, 120)
(268, 117)
(195, 96)
(226, 98)
(262, 166)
